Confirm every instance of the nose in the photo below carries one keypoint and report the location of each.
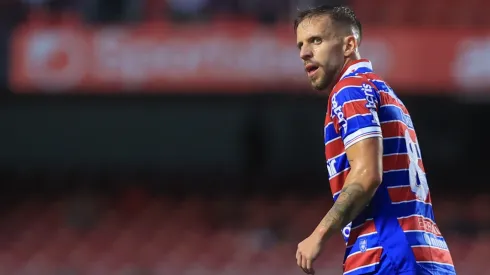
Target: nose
(306, 53)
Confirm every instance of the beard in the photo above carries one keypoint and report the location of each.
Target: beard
(324, 82)
(320, 84)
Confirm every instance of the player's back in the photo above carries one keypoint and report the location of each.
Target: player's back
(397, 231)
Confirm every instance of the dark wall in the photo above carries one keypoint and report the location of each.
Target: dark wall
(183, 134)
(251, 136)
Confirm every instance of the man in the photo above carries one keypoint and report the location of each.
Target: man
(382, 200)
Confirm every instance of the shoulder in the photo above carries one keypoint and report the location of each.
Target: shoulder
(349, 83)
(351, 88)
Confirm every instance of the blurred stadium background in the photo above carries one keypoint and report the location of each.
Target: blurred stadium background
(143, 137)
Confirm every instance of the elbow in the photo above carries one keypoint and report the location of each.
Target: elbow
(373, 181)
(370, 179)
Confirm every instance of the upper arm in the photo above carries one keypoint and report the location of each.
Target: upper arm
(366, 162)
(355, 116)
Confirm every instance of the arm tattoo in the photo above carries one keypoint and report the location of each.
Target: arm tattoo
(350, 203)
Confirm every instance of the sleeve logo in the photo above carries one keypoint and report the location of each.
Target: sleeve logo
(372, 101)
(337, 111)
(375, 117)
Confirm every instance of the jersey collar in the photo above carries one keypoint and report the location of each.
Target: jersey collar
(353, 66)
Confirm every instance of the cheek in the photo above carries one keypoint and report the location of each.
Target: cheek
(329, 55)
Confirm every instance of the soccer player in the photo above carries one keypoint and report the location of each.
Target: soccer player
(382, 200)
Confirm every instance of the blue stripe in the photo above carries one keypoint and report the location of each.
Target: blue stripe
(347, 94)
(413, 208)
(394, 146)
(329, 132)
(358, 122)
(361, 70)
(391, 235)
(382, 86)
(391, 112)
(364, 270)
(396, 178)
(434, 268)
(341, 163)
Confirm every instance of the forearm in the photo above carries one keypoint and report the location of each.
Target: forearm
(352, 200)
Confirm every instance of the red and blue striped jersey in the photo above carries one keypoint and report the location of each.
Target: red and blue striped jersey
(398, 226)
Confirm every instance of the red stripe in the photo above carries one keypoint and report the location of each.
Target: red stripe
(395, 162)
(353, 108)
(398, 162)
(404, 193)
(420, 224)
(396, 129)
(328, 119)
(351, 81)
(334, 148)
(387, 99)
(362, 258)
(337, 183)
(367, 228)
(432, 254)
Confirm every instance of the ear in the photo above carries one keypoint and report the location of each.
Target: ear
(350, 45)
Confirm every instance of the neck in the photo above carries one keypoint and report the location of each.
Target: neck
(348, 60)
(353, 57)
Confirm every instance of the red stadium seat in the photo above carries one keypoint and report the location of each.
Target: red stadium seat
(445, 13)
(161, 238)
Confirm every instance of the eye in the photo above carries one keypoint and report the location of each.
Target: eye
(317, 40)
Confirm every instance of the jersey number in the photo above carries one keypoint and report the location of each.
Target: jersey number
(418, 180)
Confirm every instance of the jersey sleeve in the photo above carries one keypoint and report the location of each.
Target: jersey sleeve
(354, 112)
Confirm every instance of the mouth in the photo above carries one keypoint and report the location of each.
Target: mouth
(311, 69)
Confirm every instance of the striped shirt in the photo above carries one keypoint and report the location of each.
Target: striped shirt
(399, 222)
